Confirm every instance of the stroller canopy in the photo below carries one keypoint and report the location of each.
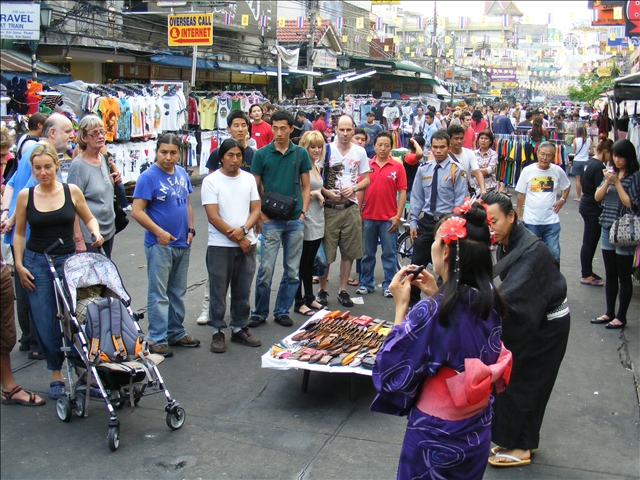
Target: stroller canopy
(87, 269)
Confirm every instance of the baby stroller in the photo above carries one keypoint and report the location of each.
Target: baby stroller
(127, 376)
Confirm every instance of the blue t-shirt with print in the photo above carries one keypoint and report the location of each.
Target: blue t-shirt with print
(167, 196)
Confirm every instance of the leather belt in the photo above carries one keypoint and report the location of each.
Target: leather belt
(433, 218)
(339, 206)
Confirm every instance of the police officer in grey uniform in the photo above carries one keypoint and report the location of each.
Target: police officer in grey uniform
(440, 185)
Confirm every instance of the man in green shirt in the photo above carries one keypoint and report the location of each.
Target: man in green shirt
(274, 167)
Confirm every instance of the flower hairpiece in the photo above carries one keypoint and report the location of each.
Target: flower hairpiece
(465, 207)
(453, 229)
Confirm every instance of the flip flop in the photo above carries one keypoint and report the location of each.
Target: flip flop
(576, 200)
(495, 450)
(351, 282)
(596, 276)
(309, 313)
(593, 282)
(514, 461)
(600, 320)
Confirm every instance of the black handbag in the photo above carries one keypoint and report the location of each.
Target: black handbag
(281, 207)
(121, 220)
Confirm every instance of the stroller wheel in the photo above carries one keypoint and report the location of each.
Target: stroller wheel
(114, 438)
(79, 407)
(176, 418)
(63, 408)
(117, 399)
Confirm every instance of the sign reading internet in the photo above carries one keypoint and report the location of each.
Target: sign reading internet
(189, 30)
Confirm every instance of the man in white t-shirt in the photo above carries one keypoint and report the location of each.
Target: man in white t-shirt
(343, 226)
(464, 156)
(537, 188)
(232, 202)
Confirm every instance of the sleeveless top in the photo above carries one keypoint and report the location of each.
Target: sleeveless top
(47, 227)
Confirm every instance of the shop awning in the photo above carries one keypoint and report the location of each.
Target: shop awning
(440, 90)
(183, 61)
(12, 61)
(238, 67)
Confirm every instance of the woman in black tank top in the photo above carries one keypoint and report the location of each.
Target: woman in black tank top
(50, 209)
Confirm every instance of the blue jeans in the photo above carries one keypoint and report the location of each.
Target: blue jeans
(291, 234)
(43, 307)
(550, 235)
(371, 231)
(167, 272)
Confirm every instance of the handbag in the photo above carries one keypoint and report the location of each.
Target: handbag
(625, 231)
(281, 207)
(121, 219)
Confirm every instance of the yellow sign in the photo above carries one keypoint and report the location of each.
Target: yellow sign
(282, 22)
(421, 38)
(407, 49)
(604, 71)
(496, 92)
(344, 39)
(503, 85)
(244, 20)
(528, 38)
(447, 40)
(319, 21)
(501, 39)
(185, 30)
(360, 23)
(386, 48)
(369, 38)
(617, 13)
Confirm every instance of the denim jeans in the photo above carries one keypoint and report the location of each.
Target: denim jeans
(274, 232)
(43, 307)
(228, 265)
(167, 272)
(550, 235)
(371, 231)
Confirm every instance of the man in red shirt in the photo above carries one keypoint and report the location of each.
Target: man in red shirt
(469, 135)
(384, 200)
(260, 130)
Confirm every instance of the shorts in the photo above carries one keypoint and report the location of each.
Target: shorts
(343, 228)
(577, 168)
(7, 318)
(606, 245)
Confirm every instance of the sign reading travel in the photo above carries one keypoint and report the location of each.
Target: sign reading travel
(190, 29)
(20, 21)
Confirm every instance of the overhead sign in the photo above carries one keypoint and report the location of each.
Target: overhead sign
(325, 60)
(632, 18)
(604, 71)
(190, 30)
(19, 21)
(495, 92)
(503, 85)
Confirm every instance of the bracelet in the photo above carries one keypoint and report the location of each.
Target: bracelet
(5, 210)
(396, 216)
(563, 199)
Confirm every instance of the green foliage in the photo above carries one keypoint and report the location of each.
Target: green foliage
(590, 87)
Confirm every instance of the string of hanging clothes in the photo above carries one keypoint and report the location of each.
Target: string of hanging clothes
(516, 152)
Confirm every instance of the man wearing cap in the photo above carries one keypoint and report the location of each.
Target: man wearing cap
(373, 129)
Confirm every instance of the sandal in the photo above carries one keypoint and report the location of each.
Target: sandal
(600, 320)
(512, 461)
(56, 390)
(351, 282)
(596, 276)
(315, 280)
(308, 313)
(615, 326)
(7, 398)
(35, 355)
(592, 281)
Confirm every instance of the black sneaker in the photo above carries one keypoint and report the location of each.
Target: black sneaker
(321, 297)
(284, 320)
(255, 321)
(345, 299)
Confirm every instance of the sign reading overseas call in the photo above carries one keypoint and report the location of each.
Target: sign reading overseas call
(190, 29)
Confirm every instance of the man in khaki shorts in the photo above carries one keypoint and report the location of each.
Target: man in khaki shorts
(343, 227)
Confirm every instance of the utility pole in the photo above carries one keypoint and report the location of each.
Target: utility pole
(434, 39)
(312, 7)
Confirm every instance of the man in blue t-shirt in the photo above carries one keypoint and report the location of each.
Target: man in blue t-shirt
(501, 123)
(161, 206)
(372, 129)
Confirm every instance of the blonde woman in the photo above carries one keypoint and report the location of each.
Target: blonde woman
(314, 143)
(50, 208)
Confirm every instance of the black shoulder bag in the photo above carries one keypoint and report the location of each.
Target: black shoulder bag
(121, 220)
(281, 207)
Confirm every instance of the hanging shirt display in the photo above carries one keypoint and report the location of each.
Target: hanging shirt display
(110, 111)
(223, 112)
(124, 120)
(208, 109)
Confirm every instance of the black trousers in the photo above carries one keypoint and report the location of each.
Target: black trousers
(519, 410)
(309, 251)
(422, 250)
(590, 239)
(618, 270)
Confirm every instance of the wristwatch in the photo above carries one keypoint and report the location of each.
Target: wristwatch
(192, 231)
(305, 214)
(355, 188)
(245, 230)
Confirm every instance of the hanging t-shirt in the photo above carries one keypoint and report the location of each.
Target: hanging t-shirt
(541, 188)
(233, 195)
(32, 99)
(236, 103)
(110, 110)
(157, 116)
(124, 120)
(223, 112)
(136, 105)
(149, 111)
(170, 112)
(192, 115)
(208, 108)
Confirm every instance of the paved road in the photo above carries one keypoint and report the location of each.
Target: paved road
(248, 422)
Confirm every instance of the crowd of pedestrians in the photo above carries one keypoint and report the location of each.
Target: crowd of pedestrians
(341, 187)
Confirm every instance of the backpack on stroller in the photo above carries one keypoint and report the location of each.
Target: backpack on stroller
(106, 343)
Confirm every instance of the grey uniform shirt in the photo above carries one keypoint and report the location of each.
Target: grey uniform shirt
(452, 188)
(95, 184)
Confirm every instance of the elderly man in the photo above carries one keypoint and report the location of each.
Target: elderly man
(538, 188)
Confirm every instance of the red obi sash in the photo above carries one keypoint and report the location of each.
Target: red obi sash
(450, 395)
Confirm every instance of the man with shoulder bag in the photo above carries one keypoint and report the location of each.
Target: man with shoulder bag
(282, 173)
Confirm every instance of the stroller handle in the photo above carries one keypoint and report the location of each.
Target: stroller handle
(54, 246)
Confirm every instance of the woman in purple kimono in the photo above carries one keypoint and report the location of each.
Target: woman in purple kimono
(439, 362)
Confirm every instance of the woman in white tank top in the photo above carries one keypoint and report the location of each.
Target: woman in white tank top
(582, 149)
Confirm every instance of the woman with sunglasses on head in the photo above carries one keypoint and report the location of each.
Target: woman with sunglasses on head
(91, 173)
(535, 327)
(447, 345)
(620, 194)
